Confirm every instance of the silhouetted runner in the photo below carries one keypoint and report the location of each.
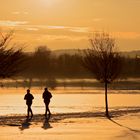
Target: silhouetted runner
(29, 97)
(47, 96)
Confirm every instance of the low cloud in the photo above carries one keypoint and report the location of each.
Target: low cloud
(23, 25)
(118, 35)
(68, 28)
(62, 38)
(65, 32)
(79, 29)
(16, 13)
(127, 35)
(11, 23)
(20, 13)
(32, 29)
(55, 27)
(97, 19)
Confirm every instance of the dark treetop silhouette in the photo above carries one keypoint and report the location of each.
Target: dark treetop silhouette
(103, 61)
(10, 59)
(47, 96)
(29, 97)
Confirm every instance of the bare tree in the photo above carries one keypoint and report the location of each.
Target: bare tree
(10, 59)
(103, 60)
(42, 62)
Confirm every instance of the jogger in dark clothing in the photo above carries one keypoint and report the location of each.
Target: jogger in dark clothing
(29, 97)
(47, 96)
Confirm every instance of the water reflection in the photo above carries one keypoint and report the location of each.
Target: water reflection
(12, 101)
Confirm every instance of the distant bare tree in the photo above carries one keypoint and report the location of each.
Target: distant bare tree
(42, 62)
(10, 59)
(103, 61)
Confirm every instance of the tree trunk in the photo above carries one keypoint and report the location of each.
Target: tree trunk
(106, 100)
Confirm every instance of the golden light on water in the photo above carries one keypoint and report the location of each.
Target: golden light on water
(66, 101)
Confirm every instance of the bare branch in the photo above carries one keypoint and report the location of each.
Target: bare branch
(10, 59)
(102, 59)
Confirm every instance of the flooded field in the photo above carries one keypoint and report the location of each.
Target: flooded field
(67, 101)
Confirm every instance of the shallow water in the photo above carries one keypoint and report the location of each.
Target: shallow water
(66, 101)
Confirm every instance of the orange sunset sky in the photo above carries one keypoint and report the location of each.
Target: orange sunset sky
(68, 24)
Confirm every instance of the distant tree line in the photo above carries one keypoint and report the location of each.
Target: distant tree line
(43, 64)
(131, 67)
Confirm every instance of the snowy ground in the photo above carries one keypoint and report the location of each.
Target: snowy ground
(124, 125)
